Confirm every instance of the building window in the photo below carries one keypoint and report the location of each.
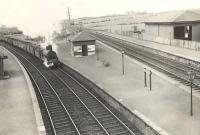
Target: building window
(183, 32)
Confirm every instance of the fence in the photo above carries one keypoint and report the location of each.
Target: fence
(194, 45)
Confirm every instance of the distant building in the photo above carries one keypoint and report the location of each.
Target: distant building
(82, 44)
(183, 25)
(9, 30)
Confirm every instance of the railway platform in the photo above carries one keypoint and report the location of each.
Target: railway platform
(19, 110)
(167, 105)
(182, 52)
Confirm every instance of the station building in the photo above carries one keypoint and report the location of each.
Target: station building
(184, 25)
(9, 30)
(82, 44)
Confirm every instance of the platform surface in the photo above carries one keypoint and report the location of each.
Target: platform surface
(16, 109)
(167, 105)
(183, 52)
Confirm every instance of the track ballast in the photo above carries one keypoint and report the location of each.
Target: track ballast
(177, 70)
(68, 107)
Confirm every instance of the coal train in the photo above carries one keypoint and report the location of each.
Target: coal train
(47, 55)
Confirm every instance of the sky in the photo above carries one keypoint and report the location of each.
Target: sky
(37, 17)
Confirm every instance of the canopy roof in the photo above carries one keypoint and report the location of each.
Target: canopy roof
(176, 17)
(82, 36)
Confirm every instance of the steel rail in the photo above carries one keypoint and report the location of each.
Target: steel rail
(81, 102)
(197, 84)
(53, 91)
(42, 97)
(130, 131)
(142, 46)
(131, 45)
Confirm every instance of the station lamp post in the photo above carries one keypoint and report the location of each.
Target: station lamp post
(121, 29)
(145, 77)
(191, 77)
(150, 82)
(122, 52)
(150, 78)
(97, 51)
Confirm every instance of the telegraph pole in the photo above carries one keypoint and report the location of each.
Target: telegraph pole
(69, 16)
(145, 77)
(191, 77)
(150, 82)
(122, 52)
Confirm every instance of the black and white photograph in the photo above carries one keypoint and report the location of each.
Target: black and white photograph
(99, 67)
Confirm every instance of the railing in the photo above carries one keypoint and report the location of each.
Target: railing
(194, 45)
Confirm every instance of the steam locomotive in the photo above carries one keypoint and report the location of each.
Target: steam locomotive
(50, 59)
(47, 55)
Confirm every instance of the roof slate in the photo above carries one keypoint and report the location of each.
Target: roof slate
(1, 55)
(176, 16)
(82, 36)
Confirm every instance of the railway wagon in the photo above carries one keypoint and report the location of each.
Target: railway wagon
(34, 49)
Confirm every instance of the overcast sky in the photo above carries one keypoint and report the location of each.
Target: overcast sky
(37, 16)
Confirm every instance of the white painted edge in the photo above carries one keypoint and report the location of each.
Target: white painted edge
(150, 123)
(36, 108)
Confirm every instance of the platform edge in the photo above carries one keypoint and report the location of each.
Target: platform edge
(36, 108)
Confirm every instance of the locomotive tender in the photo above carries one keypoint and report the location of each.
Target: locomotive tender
(47, 55)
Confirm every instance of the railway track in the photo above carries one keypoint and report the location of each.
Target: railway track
(58, 116)
(172, 68)
(68, 107)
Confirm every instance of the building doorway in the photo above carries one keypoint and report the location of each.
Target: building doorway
(84, 50)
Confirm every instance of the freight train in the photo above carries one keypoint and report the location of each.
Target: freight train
(47, 55)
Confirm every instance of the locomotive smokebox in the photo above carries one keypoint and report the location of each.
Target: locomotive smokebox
(49, 47)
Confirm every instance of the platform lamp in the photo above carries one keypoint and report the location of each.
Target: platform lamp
(121, 29)
(97, 51)
(191, 77)
(145, 77)
(122, 52)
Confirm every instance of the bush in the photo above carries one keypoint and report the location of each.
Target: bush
(105, 63)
